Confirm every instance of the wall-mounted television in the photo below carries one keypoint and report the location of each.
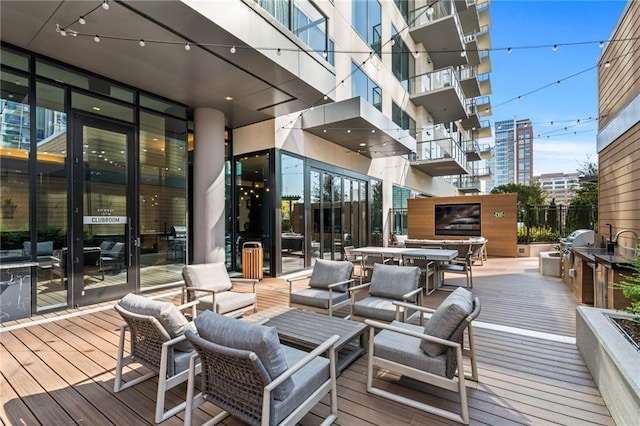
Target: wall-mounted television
(458, 219)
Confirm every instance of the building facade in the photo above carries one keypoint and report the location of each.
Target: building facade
(163, 133)
(558, 186)
(512, 157)
(619, 130)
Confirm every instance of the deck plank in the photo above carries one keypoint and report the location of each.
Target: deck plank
(62, 372)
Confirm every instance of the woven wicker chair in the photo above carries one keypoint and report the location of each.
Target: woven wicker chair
(431, 354)
(251, 376)
(158, 343)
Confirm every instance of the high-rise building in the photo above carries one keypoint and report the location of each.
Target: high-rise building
(558, 186)
(176, 131)
(512, 157)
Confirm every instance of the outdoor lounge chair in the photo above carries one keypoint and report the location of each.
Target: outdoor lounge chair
(209, 283)
(389, 283)
(158, 343)
(460, 266)
(431, 354)
(327, 287)
(250, 375)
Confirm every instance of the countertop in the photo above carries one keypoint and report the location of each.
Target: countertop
(600, 255)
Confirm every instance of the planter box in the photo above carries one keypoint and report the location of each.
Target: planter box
(612, 360)
(532, 250)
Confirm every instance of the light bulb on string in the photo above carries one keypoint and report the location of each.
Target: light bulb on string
(430, 10)
(417, 54)
(81, 20)
(601, 44)
(187, 46)
(233, 49)
(279, 52)
(509, 50)
(607, 64)
(105, 4)
(142, 43)
(463, 53)
(555, 48)
(324, 54)
(96, 38)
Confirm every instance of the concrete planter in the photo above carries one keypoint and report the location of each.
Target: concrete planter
(533, 250)
(612, 360)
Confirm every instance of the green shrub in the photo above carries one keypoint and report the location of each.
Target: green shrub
(537, 234)
(631, 287)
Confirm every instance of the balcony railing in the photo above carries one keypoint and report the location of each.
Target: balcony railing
(431, 81)
(439, 149)
(423, 16)
(468, 72)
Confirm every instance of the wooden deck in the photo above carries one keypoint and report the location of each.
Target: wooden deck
(59, 368)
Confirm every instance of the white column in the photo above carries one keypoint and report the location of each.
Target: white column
(208, 186)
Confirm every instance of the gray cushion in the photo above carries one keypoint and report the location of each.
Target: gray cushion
(378, 308)
(306, 381)
(168, 314)
(212, 276)
(451, 312)
(394, 281)
(317, 297)
(327, 272)
(227, 301)
(405, 350)
(248, 336)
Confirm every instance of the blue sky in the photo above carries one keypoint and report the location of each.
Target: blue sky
(520, 24)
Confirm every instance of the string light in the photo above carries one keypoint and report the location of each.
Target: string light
(279, 52)
(81, 20)
(555, 48)
(233, 49)
(96, 38)
(142, 43)
(187, 46)
(607, 64)
(509, 50)
(105, 4)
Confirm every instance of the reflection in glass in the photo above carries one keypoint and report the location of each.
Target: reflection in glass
(254, 215)
(51, 190)
(292, 213)
(376, 212)
(315, 209)
(162, 202)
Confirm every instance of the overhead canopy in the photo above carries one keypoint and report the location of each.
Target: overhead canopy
(358, 126)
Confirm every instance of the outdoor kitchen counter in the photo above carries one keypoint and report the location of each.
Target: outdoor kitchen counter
(599, 287)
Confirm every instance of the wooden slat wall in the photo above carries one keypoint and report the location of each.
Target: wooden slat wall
(500, 231)
(619, 185)
(620, 83)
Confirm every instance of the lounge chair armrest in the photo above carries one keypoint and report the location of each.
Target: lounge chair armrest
(325, 346)
(300, 278)
(415, 307)
(245, 282)
(191, 305)
(383, 326)
(359, 287)
(198, 289)
(406, 296)
(338, 284)
(174, 341)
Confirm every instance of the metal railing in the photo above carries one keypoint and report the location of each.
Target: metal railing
(438, 149)
(428, 82)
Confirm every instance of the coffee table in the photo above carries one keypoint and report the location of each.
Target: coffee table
(307, 330)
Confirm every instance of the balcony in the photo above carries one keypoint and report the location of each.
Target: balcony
(469, 81)
(471, 121)
(440, 157)
(472, 49)
(485, 148)
(485, 84)
(468, 184)
(469, 18)
(440, 93)
(483, 131)
(438, 29)
(483, 173)
(485, 63)
(483, 104)
(472, 150)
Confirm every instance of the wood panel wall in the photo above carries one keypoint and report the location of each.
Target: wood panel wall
(619, 162)
(500, 231)
(619, 185)
(619, 83)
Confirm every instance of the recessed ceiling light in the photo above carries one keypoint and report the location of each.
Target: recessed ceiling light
(96, 108)
(228, 98)
(363, 144)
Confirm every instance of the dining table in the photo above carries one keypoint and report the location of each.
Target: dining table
(436, 255)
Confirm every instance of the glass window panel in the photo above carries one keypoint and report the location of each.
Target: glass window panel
(13, 58)
(376, 212)
(163, 106)
(83, 81)
(292, 216)
(315, 198)
(163, 199)
(15, 177)
(101, 107)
